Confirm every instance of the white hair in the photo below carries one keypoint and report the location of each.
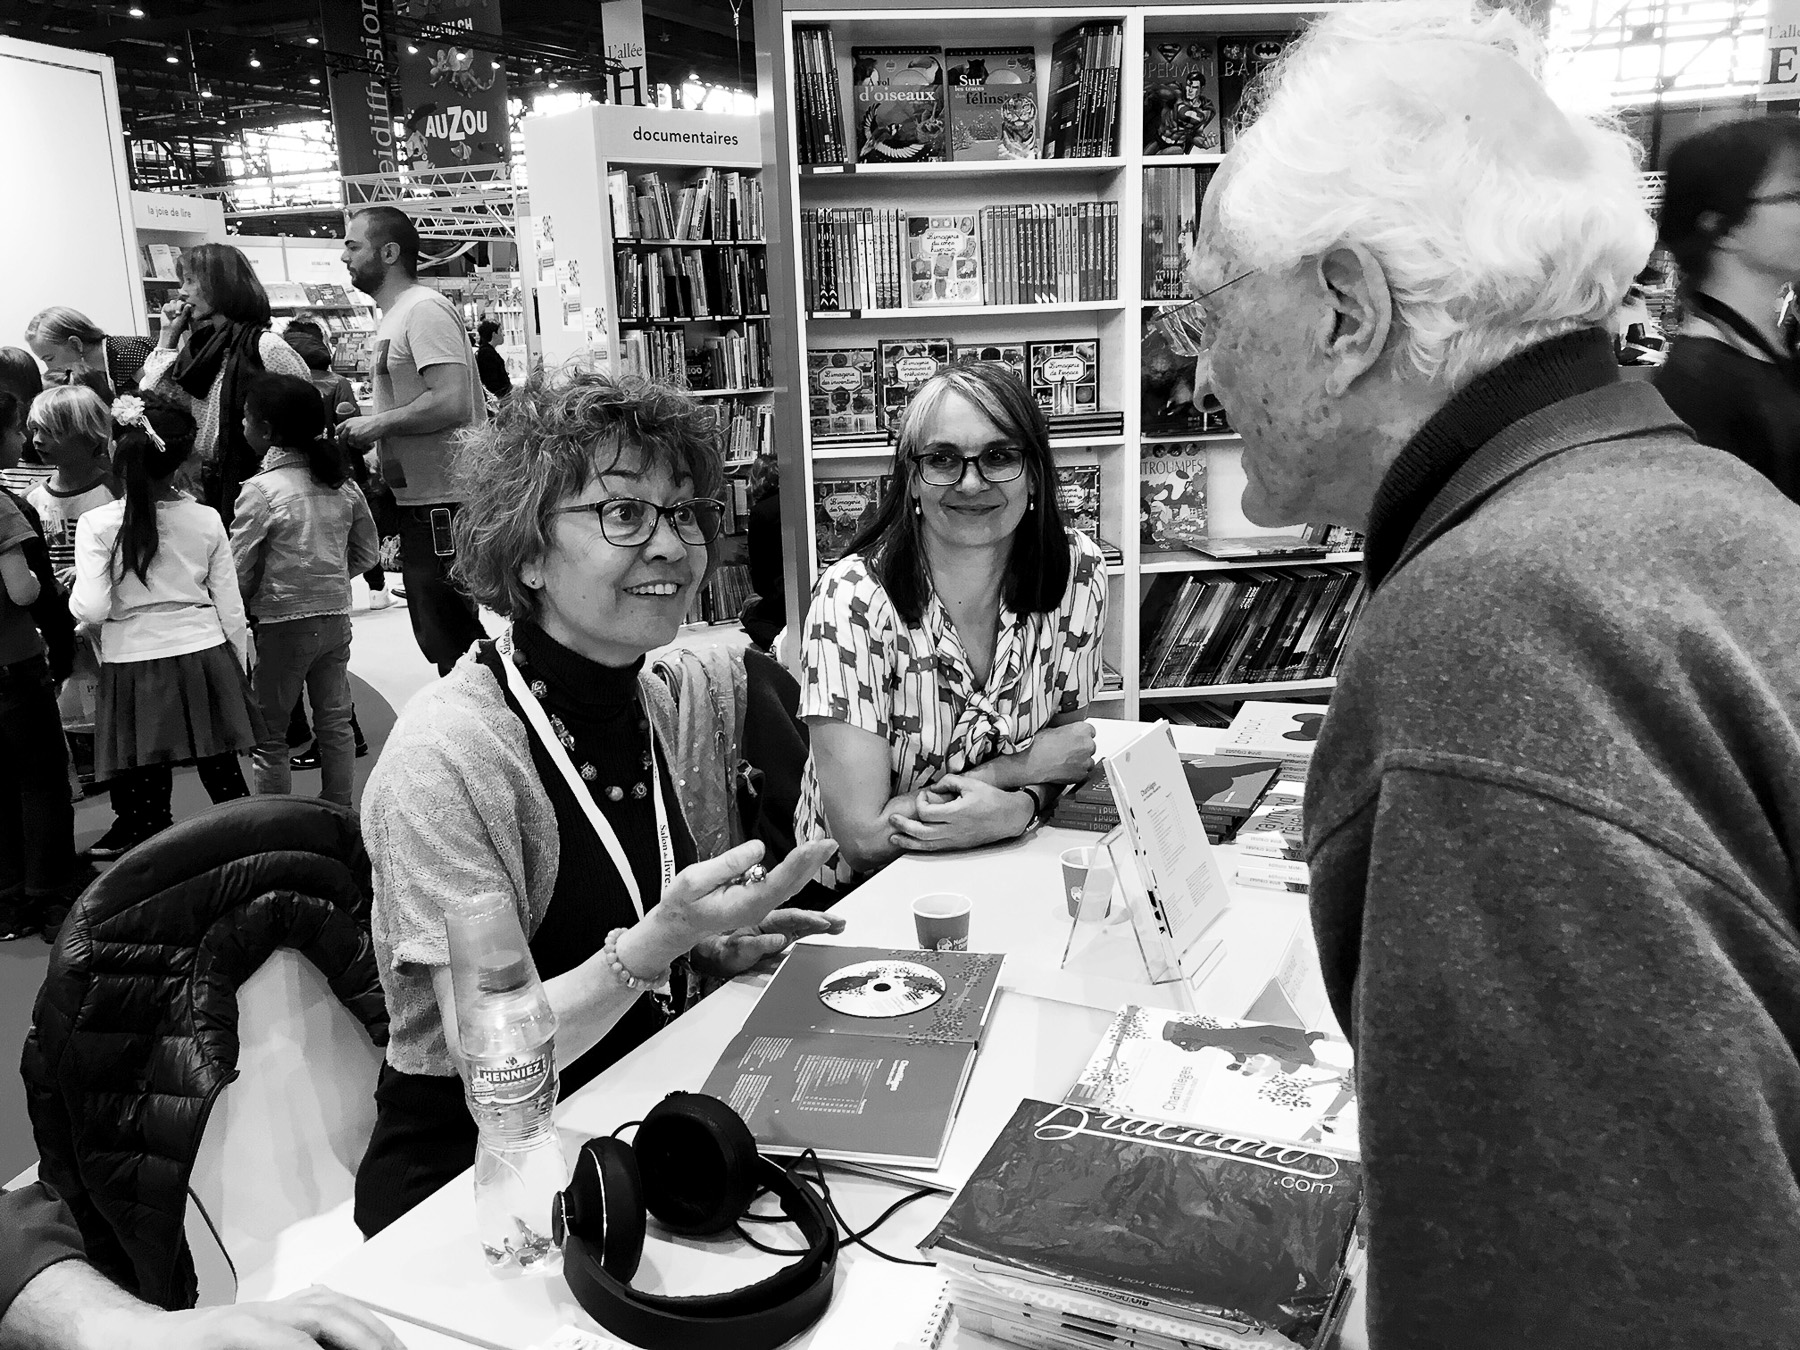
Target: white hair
(1487, 246)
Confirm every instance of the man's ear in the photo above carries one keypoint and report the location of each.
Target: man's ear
(1360, 313)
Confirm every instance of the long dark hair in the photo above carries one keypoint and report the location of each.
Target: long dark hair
(1710, 187)
(231, 285)
(1037, 571)
(141, 464)
(296, 418)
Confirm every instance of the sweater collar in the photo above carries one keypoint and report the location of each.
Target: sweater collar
(1526, 382)
(574, 682)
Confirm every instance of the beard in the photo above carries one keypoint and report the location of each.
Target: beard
(368, 277)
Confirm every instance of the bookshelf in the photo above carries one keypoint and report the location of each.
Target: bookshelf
(794, 76)
(647, 252)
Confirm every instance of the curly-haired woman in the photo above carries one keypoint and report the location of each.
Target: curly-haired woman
(538, 767)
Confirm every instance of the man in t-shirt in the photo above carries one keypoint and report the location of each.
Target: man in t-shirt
(425, 392)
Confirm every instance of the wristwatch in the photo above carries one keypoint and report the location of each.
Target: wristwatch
(1039, 806)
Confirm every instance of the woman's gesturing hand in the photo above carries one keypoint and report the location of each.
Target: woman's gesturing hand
(760, 947)
(958, 811)
(705, 900)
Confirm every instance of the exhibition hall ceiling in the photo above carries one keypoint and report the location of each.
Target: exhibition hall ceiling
(206, 67)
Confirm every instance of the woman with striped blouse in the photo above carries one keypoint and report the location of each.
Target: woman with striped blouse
(950, 657)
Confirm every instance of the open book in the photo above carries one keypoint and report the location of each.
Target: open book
(859, 1053)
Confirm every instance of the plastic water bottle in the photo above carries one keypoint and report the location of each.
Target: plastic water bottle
(508, 1035)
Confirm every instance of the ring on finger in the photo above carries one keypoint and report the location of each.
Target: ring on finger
(754, 875)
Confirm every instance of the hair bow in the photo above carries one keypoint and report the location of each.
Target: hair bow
(128, 410)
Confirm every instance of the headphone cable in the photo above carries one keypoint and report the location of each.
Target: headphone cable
(850, 1234)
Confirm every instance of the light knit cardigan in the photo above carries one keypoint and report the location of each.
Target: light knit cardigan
(455, 809)
(277, 357)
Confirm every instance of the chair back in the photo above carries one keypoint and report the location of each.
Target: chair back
(276, 1170)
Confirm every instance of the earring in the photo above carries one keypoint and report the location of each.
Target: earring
(917, 509)
(1030, 505)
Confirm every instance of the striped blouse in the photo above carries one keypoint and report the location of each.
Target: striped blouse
(862, 664)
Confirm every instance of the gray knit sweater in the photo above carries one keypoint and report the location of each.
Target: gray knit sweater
(1553, 822)
(455, 808)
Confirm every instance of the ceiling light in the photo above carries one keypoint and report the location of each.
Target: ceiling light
(136, 11)
(312, 39)
(494, 64)
(172, 57)
(206, 91)
(255, 60)
(411, 50)
(312, 79)
(537, 70)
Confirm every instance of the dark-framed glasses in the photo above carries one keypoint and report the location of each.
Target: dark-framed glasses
(1183, 327)
(631, 521)
(945, 468)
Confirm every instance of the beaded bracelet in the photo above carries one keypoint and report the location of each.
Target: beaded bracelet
(609, 953)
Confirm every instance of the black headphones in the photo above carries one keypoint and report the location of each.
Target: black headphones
(696, 1168)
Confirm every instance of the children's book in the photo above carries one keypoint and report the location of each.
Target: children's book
(841, 391)
(1252, 1078)
(1286, 731)
(1009, 354)
(1241, 60)
(943, 259)
(841, 508)
(1078, 495)
(898, 97)
(1172, 495)
(860, 1053)
(905, 364)
(1181, 94)
(993, 103)
(1065, 375)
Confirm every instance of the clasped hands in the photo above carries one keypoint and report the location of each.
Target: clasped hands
(966, 810)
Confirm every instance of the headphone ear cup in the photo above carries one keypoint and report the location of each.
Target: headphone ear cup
(699, 1164)
(603, 1206)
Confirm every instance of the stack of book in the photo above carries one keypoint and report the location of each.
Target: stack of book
(1082, 114)
(852, 257)
(1226, 789)
(1047, 253)
(1335, 538)
(819, 109)
(1284, 731)
(746, 431)
(1097, 423)
(1247, 627)
(1198, 1186)
(735, 360)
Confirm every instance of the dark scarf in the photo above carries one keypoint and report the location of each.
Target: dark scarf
(1525, 382)
(224, 350)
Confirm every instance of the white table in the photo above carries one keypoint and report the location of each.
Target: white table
(427, 1267)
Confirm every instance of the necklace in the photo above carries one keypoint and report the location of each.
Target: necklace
(614, 792)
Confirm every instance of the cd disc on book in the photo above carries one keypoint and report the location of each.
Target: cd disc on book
(881, 989)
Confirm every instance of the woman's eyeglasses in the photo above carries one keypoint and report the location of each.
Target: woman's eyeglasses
(1183, 327)
(945, 468)
(629, 522)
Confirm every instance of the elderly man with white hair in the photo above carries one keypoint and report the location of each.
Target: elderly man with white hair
(1554, 817)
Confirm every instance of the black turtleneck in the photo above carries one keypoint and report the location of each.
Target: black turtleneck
(601, 707)
(1524, 383)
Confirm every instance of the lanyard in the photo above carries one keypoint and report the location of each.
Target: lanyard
(1727, 317)
(540, 723)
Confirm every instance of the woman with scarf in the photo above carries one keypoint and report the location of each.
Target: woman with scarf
(949, 658)
(216, 340)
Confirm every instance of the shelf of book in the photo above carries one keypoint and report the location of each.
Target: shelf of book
(859, 174)
(983, 169)
(924, 312)
(1272, 689)
(730, 393)
(1151, 564)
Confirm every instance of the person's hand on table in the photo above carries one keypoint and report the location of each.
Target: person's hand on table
(760, 946)
(312, 1318)
(1062, 754)
(958, 811)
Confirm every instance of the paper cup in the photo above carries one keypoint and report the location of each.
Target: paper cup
(942, 921)
(1075, 865)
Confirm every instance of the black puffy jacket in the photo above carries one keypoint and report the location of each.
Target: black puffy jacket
(135, 1030)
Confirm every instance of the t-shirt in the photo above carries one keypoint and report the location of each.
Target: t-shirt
(60, 510)
(19, 637)
(1746, 407)
(422, 330)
